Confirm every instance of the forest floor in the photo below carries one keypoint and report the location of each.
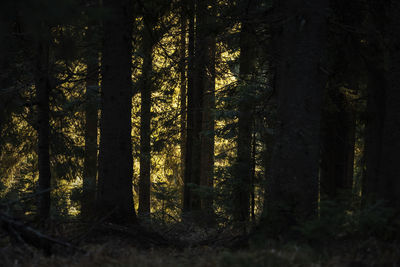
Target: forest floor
(117, 253)
(117, 246)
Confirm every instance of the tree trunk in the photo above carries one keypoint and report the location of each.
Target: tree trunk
(293, 185)
(253, 178)
(337, 146)
(247, 60)
(115, 198)
(191, 201)
(91, 123)
(43, 130)
(183, 93)
(267, 155)
(199, 83)
(376, 88)
(145, 119)
(389, 186)
(208, 120)
(374, 129)
(6, 80)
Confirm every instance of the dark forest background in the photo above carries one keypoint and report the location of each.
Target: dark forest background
(244, 125)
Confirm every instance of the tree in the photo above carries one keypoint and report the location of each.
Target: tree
(199, 138)
(338, 133)
(5, 65)
(208, 119)
(191, 202)
(115, 197)
(183, 84)
(293, 186)
(382, 129)
(91, 122)
(376, 87)
(389, 183)
(42, 85)
(152, 12)
(145, 115)
(247, 61)
(337, 145)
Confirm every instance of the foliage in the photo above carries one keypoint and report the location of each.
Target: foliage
(349, 219)
(118, 253)
(168, 199)
(338, 221)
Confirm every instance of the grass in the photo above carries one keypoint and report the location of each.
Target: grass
(113, 248)
(117, 252)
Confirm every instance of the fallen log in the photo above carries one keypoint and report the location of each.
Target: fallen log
(22, 232)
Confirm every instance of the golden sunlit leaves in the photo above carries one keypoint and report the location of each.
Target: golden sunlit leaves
(68, 118)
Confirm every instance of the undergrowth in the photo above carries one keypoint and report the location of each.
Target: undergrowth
(117, 252)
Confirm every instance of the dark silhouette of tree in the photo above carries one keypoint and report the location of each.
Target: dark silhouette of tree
(91, 122)
(208, 119)
(42, 85)
(115, 159)
(191, 201)
(145, 117)
(389, 184)
(339, 110)
(183, 84)
(6, 81)
(376, 87)
(199, 138)
(293, 186)
(337, 145)
(247, 61)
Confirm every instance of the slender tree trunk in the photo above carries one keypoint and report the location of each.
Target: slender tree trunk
(91, 123)
(145, 119)
(376, 88)
(253, 178)
(374, 129)
(188, 179)
(389, 186)
(199, 82)
(207, 141)
(42, 94)
(269, 141)
(270, 121)
(293, 186)
(337, 146)
(247, 60)
(6, 80)
(183, 93)
(115, 197)
(381, 179)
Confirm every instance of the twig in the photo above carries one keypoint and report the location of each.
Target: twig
(32, 236)
(92, 227)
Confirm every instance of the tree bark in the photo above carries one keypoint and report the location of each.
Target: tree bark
(208, 120)
(253, 178)
(199, 82)
(293, 185)
(42, 94)
(115, 197)
(145, 119)
(375, 112)
(190, 202)
(183, 84)
(247, 61)
(389, 185)
(6, 80)
(199, 86)
(91, 123)
(337, 146)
